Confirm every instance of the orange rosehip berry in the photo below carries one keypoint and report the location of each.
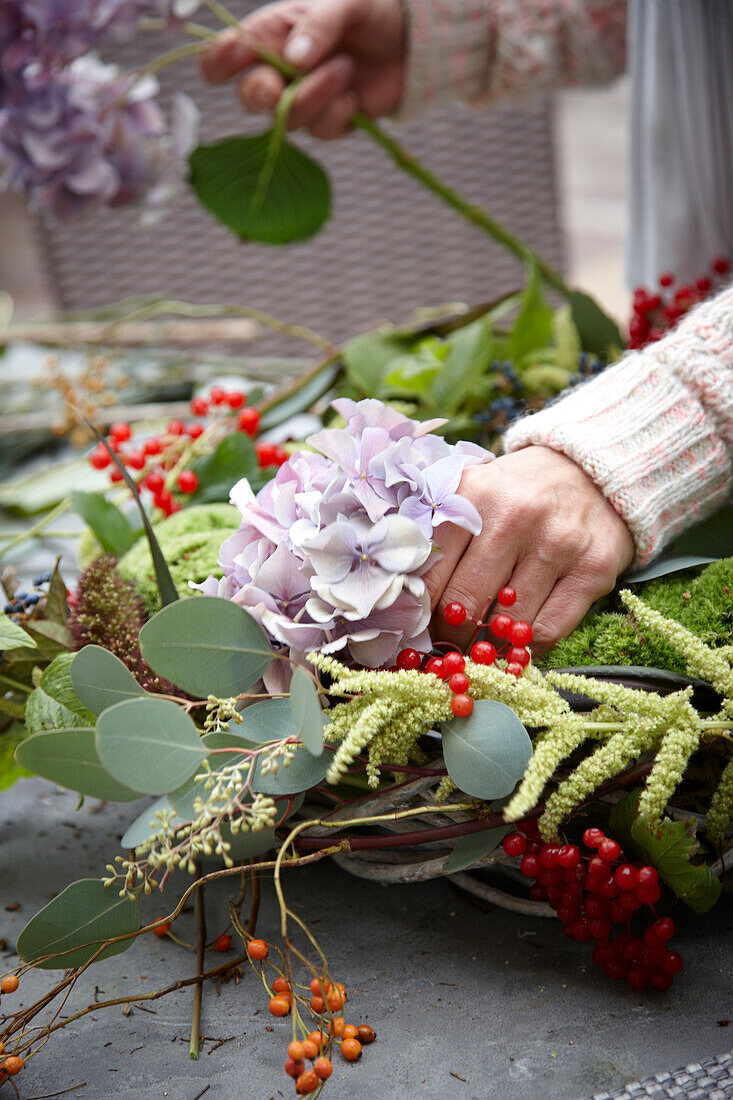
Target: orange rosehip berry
(280, 985)
(335, 1000)
(366, 1034)
(222, 942)
(293, 1068)
(2, 1047)
(307, 1082)
(279, 1006)
(162, 929)
(322, 1068)
(13, 1065)
(9, 984)
(351, 1049)
(318, 1039)
(257, 949)
(336, 1026)
(350, 1032)
(319, 988)
(295, 1051)
(317, 1004)
(342, 987)
(310, 1049)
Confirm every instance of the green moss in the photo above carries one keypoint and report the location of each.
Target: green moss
(190, 542)
(702, 603)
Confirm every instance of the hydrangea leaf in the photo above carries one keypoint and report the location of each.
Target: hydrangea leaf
(472, 848)
(207, 646)
(75, 922)
(293, 203)
(306, 710)
(100, 679)
(69, 758)
(149, 744)
(486, 753)
(668, 846)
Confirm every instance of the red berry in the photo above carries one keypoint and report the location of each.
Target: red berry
(609, 850)
(408, 659)
(629, 901)
(257, 949)
(597, 867)
(666, 279)
(662, 982)
(483, 653)
(518, 655)
(637, 976)
(548, 855)
(266, 453)
(654, 954)
(461, 705)
(322, 1068)
(607, 888)
(595, 906)
(458, 683)
(121, 432)
(520, 634)
(513, 669)
(529, 866)
(293, 1068)
(152, 446)
(162, 929)
(634, 950)
(248, 421)
(281, 456)
(222, 942)
(616, 969)
(581, 930)
(568, 856)
(616, 912)
(199, 406)
(501, 625)
(217, 396)
(568, 913)
(599, 928)
(99, 458)
(646, 875)
(506, 596)
(721, 265)
(703, 284)
(602, 954)
(663, 928)
(673, 963)
(235, 399)
(193, 431)
(136, 460)
(454, 613)
(453, 662)
(175, 427)
(115, 476)
(626, 877)
(154, 482)
(163, 500)
(435, 665)
(649, 894)
(514, 844)
(537, 892)
(593, 837)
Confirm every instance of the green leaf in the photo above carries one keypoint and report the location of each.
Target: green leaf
(43, 489)
(144, 825)
(150, 745)
(302, 399)
(69, 758)
(49, 637)
(669, 847)
(566, 339)
(533, 327)
(291, 205)
(713, 536)
(303, 772)
(86, 912)
(662, 566)
(473, 847)
(306, 710)
(10, 769)
(367, 358)
(233, 459)
(269, 720)
(114, 532)
(487, 753)
(100, 679)
(13, 636)
(57, 607)
(43, 712)
(207, 646)
(469, 357)
(166, 587)
(56, 681)
(598, 332)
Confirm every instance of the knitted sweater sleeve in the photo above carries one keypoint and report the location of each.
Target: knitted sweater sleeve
(482, 51)
(655, 431)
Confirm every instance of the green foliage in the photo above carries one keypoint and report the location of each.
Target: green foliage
(598, 332)
(306, 711)
(472, 848)
(69, 758)
(10, 769)
(12, 636)
(190, 540)
(263, 188)
(207, 646)
(56, 681)
(113, 530)
(370, 356)
(303, 772)
(100, 679)
(149, 745)
(233, 459)
(533, 326)
(43, 712)
(85, 913)
(486, 754)
(668, 846)
(268, 720)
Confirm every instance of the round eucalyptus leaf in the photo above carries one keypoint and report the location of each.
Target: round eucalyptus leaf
(473, 847)
(303, 772)
(100, 679)
(306, 710)
(149, 744)
(269, 720)
(69, 757)
(207, 646)
(144, 825)
(263, 187)
(487, 753)
(85, 913)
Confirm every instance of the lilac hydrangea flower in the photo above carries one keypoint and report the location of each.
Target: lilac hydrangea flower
(331, 553)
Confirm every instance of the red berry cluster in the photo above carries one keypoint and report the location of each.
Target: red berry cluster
(655, 312)
(452, 665)
(591, 894)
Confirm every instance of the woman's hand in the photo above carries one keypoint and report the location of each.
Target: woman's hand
(547, 531)
(352, 50)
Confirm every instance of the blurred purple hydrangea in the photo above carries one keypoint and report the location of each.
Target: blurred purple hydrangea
(73, 129)
(331, 553)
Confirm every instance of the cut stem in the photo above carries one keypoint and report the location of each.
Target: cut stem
(199, 917)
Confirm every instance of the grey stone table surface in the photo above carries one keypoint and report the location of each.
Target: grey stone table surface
(505, 1002)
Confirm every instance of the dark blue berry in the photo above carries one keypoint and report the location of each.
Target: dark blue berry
(32, 600)
(22, 596)
(42, 578)
(8, 609)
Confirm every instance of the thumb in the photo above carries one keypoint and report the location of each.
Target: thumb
(319, 30)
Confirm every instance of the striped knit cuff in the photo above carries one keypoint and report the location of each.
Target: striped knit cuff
(654, 432)
(448, 52)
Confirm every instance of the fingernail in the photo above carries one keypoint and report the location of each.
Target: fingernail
(299, 49)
